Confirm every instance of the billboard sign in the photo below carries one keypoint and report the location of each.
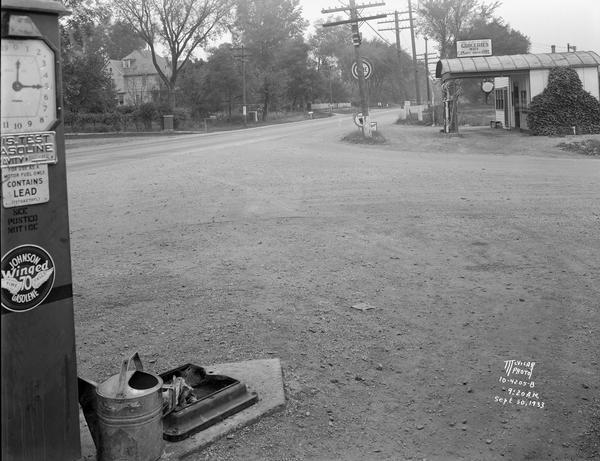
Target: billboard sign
(471, 48)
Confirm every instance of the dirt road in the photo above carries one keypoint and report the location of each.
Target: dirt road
(473, 251)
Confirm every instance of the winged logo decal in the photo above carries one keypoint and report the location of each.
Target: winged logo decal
(41, 278)
(27, 277)
(12, 285)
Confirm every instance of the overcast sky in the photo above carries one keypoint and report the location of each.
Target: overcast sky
(545, 22)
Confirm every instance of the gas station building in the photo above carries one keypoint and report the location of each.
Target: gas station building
(518, 78)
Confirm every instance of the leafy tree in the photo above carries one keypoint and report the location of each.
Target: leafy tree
(446, 20)
(563, 104)
(505, 40)
(87, 86)
(327, 47)
(122, 39)
(223, 82)
(328, 44)
(181, 26)
(300, 75)
(385, 85)
(192, 91)
(268, 29)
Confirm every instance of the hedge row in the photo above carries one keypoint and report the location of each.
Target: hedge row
(124, 118)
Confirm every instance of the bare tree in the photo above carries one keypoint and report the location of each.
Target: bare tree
(180, 26)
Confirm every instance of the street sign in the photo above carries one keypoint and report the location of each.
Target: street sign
(367, 68)
(470, 48)
(359, 120)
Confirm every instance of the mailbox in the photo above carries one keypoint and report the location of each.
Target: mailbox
(40, 415)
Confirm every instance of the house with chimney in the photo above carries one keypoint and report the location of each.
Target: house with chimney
(136, 79)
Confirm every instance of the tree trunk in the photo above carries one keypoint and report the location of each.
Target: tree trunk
(170, 98)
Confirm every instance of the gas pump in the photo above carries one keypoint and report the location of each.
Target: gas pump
(40, 415)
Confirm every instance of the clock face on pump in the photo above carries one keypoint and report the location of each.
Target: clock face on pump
(28, 96)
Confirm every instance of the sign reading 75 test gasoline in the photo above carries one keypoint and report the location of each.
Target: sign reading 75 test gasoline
(24, 160)
(471, 48)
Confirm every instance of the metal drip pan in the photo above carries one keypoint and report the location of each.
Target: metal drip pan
(218, 398)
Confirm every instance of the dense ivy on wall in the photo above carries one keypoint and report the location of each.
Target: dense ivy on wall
(562, 105)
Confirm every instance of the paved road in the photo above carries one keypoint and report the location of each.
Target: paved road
(243, 245)
(97, 151)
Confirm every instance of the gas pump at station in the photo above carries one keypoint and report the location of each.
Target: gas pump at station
(40, 415)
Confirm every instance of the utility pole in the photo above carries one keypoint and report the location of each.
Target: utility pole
(414, 52)
(397, 29)
(244, 107)
(360, 71)
(352, 9)
(427, 73)
(330, 89)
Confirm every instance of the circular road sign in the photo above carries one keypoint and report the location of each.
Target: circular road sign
(367, 68)
(359, 119)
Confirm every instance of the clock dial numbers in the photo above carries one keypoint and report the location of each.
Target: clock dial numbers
(28, 86)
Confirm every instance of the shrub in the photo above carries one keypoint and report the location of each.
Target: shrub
(429, 114)
(126, 110)
(181, 116)
(587, 147)
(562, 105)
(147, 113)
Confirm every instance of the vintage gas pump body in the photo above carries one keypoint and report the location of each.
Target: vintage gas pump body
(40, 415)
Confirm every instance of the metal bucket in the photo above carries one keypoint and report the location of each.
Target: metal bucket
(130, 415)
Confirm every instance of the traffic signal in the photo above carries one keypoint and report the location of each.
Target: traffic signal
(356, 35)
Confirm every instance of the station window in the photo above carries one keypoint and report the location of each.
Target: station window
(523, 98)
(500, 99)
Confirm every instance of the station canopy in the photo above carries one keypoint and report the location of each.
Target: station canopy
(496, 66)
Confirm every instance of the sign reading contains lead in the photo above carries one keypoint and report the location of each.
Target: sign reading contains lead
(25, 185)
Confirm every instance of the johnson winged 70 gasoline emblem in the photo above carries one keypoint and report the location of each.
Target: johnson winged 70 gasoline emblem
(27, 277)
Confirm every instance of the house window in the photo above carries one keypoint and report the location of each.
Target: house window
(500, 99)
(121, 99)
(126, 63)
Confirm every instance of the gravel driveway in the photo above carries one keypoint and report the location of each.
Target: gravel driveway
(472, 250)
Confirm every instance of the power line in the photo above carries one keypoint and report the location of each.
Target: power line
(379, 35)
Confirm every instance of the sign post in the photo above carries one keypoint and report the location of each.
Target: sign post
(40, 415)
